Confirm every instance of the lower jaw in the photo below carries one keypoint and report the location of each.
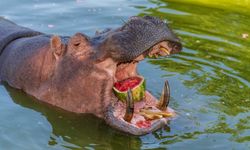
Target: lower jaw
(138, 120)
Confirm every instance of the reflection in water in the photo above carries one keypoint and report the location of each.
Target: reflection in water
(70, 130)
(215, 62)
(209, 80)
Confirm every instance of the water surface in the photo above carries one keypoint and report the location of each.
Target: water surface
(209, 80)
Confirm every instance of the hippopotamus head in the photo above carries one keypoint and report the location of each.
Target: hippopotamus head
(87, 68)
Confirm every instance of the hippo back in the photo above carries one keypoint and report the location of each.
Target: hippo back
(9, 32)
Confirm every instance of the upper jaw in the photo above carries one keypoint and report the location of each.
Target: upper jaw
(128, 69)
(136, 37)
(163, 48)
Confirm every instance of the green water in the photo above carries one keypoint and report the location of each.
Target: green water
(209, 80)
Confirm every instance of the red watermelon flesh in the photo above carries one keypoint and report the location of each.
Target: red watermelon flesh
(124, 85)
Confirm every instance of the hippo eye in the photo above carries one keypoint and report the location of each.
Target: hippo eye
(77, 44)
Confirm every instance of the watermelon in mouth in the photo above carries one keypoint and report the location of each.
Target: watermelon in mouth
(136, 84)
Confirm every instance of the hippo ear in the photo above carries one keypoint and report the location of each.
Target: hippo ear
(56, 46)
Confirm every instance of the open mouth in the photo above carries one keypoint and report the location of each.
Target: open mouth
(148, 113)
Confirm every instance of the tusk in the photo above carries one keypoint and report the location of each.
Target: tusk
(165, 97)
(129, 107)
(165, 50)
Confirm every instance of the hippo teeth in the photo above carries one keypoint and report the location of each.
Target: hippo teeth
(161, 49)
(129, 107)
(165, 50)
(165, 97)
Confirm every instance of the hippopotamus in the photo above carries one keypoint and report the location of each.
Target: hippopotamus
(77, 73)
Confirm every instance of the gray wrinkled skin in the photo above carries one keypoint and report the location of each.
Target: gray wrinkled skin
(77, 73)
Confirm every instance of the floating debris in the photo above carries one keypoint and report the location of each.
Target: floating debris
(244, 35)
(51, 26)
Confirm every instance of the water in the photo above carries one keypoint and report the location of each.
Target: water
(209, 80)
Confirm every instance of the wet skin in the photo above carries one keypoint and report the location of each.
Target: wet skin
(77, 73)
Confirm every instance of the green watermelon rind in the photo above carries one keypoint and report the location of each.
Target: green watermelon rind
(138, 91)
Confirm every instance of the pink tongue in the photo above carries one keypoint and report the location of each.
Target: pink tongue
(143, 124)
(124, 85)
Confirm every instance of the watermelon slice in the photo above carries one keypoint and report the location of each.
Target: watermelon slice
(136, 84)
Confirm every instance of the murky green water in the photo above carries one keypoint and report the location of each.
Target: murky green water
(210, 79)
